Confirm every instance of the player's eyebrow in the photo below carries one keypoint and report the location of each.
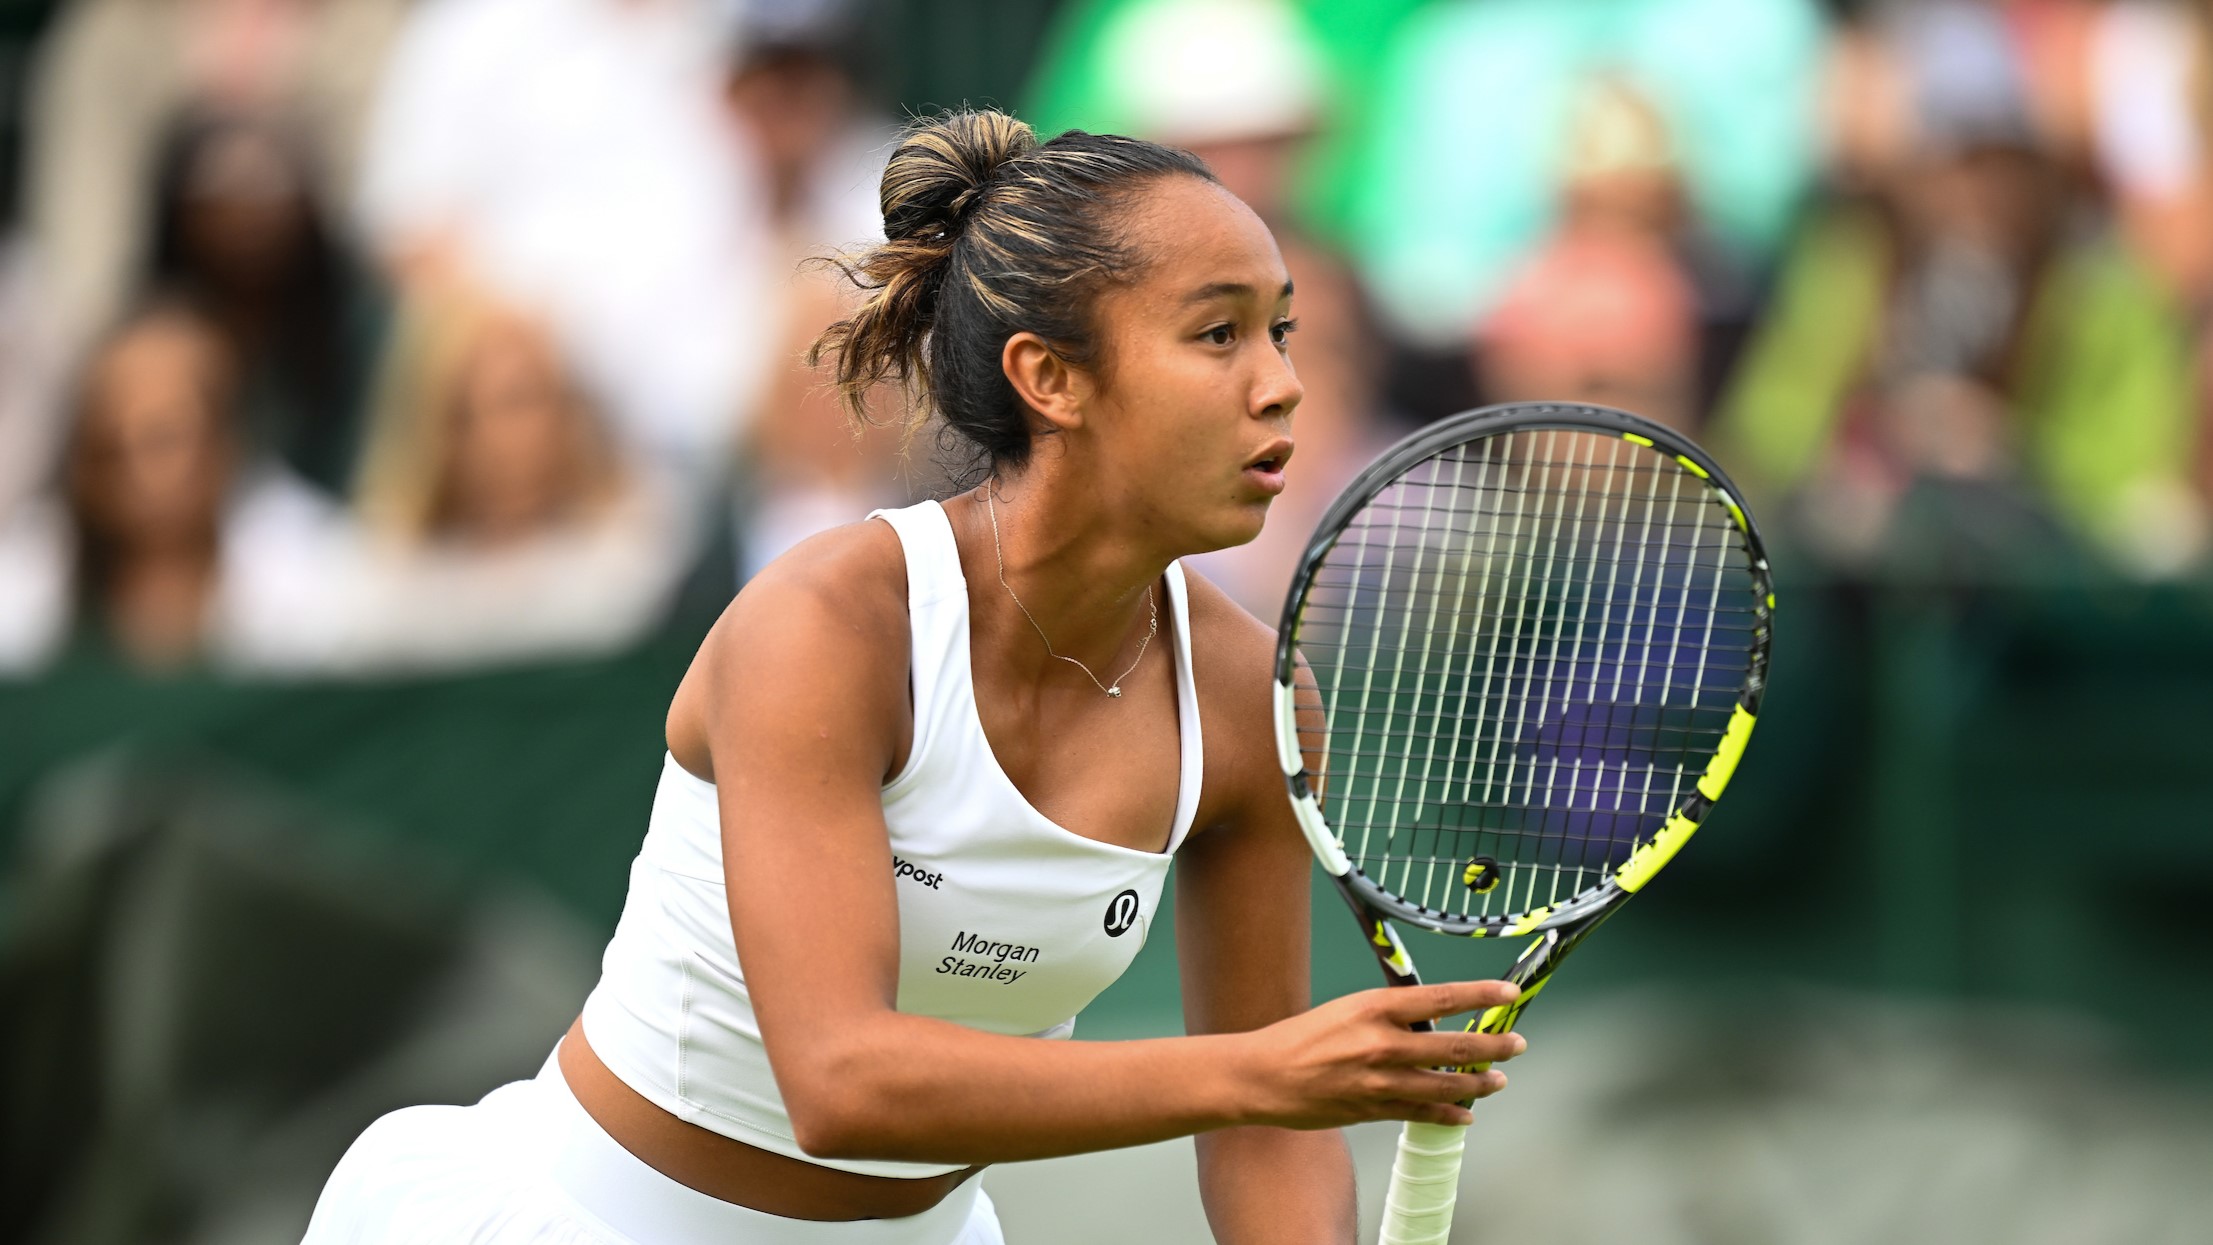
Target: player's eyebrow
(1228, 289)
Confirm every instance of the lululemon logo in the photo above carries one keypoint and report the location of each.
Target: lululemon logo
(1121, 914)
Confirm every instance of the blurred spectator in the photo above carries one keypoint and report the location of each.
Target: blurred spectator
(1243, 85)
(30, 378)
(805, 468)
(1459, 166)
(574, 157)
(166, 538)
(1239, 83)
(34, 579)
(151, 458)
(1295, 83)
(1075, 87)
(1602, 311)
(115, 74)
(484, 440)
(2147, 65)
(805, 123)
(1969, 320)
(237, 228)
(2143, 101)
(502, 520)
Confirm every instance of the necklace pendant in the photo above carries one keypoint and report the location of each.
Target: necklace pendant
(1115, 691)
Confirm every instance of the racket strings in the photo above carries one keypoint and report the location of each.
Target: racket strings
(1526, 647)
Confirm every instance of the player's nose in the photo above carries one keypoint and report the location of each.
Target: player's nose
(1276, 391)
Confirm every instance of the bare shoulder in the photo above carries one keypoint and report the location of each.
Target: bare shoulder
(1233, 653)
(842, 592)
(857, 567)
(831, 612)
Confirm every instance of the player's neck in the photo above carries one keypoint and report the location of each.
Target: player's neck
(1082, 583)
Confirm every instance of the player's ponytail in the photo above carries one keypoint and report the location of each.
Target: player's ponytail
(988, 233)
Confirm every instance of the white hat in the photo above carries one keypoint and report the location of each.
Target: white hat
(1208, 71)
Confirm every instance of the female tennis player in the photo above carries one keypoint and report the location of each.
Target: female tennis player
(927, 773)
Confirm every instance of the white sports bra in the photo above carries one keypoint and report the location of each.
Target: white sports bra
(1008, 923)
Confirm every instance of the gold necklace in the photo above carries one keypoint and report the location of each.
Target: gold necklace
(1150, 603)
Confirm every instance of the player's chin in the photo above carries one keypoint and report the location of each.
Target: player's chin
(1238, 523)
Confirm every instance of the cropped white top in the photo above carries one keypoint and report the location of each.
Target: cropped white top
(1008, 923)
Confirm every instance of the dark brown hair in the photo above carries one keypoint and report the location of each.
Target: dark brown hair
(989, 233)
(100, 551)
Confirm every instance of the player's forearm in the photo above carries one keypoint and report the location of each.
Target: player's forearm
(879, 1084)
(924, 1090)
(1277, 1186)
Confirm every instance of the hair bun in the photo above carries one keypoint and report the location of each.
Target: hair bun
(941, 168)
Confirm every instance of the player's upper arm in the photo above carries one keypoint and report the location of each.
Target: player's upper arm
(805, 711)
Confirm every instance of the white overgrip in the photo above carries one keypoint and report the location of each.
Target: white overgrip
(1425, 1179)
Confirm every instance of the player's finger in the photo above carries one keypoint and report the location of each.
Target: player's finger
(1458, 1050)
(1406, 1004)
(1433, 1086)
(1431, 1112)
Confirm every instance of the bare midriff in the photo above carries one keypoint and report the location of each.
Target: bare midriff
(728, 1169)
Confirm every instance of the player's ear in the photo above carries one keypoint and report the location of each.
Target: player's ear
(1047, 383)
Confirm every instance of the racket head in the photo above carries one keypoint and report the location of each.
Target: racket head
(1523, 651)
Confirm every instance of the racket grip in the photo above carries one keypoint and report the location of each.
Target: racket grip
(1425, 1179)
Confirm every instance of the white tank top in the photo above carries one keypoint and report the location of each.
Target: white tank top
(1008, 923)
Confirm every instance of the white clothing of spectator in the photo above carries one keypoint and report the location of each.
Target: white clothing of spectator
(34, 581)
(364, 609)
(30, 378)
(573, 157)
(282, 546)
(299, 593)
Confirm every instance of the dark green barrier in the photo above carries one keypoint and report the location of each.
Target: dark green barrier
(544, 774)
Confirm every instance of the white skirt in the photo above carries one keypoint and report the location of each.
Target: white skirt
(527, 1164)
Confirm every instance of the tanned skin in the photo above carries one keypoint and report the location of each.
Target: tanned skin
(797, 710)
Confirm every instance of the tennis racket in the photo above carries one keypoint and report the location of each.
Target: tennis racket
(1519, 662)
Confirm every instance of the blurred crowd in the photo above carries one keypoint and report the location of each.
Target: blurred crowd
(369, 336)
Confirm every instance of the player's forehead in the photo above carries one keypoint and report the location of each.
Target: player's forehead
(1201, 243)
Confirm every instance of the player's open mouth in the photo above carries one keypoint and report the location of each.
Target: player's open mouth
(1267, 470)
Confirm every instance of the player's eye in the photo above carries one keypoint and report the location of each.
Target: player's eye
(1281, 331)
(1219, 335)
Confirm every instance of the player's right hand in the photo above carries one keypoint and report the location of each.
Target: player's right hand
(1354, 1059)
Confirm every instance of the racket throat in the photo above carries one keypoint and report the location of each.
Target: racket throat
(1390, 953)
